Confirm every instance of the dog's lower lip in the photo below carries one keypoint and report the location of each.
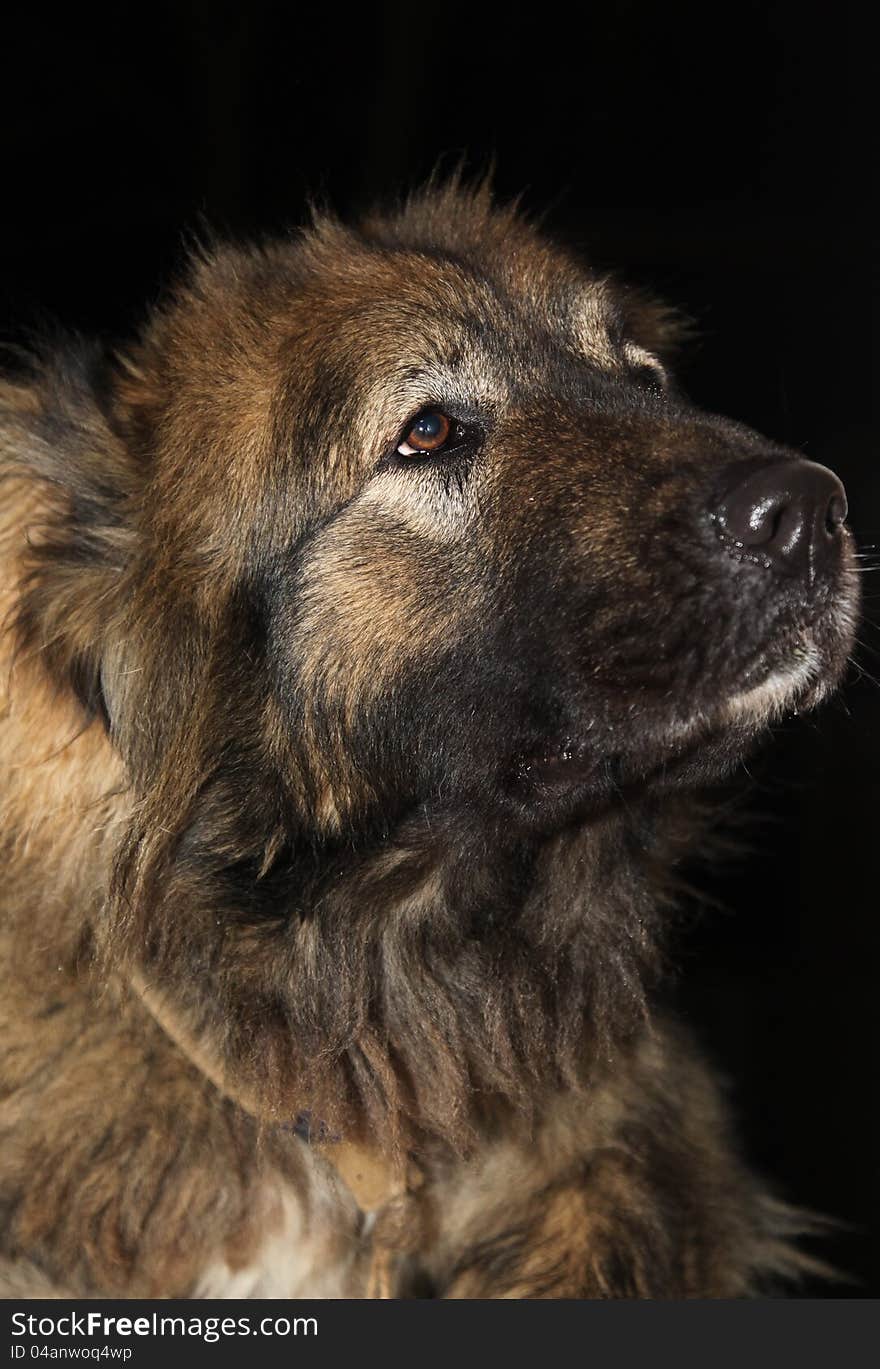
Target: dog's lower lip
(568, 765)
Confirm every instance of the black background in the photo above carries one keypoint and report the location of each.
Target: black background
(721, 154)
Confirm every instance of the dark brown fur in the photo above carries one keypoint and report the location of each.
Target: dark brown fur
(274, 840)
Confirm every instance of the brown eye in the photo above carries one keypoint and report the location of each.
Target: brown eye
(429, 433)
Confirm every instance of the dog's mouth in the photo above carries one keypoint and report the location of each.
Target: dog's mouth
(568, 762)
(670, 746)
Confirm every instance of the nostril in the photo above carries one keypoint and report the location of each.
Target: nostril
(836, 514)
(773, 522)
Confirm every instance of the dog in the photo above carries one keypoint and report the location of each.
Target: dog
(374, 625)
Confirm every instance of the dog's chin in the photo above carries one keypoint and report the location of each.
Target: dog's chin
(575, 775)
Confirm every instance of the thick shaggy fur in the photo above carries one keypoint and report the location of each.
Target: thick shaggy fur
(343, 790)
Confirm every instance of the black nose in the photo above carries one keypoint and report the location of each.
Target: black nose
(787, 515)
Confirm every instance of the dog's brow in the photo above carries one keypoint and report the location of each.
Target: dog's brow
(468, 380)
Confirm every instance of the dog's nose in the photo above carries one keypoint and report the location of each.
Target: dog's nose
(788, 514)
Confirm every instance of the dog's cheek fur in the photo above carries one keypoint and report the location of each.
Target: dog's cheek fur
(370, 606)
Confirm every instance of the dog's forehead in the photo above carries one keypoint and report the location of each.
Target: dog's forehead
(456, 329)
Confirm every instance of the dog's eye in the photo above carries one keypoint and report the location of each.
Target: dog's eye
(430, 433)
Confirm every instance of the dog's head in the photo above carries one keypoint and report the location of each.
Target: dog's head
(492, 556)
(412, 519)
(538, 575)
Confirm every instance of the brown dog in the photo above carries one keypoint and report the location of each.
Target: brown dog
(372, 625)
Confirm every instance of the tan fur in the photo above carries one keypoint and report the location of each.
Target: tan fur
(292, 1004)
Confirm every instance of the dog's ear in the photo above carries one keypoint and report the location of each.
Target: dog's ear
(104, 618)
(655, 325)
(70, 488)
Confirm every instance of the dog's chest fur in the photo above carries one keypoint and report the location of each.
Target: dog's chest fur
(628, 1190)
(296, 1260)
